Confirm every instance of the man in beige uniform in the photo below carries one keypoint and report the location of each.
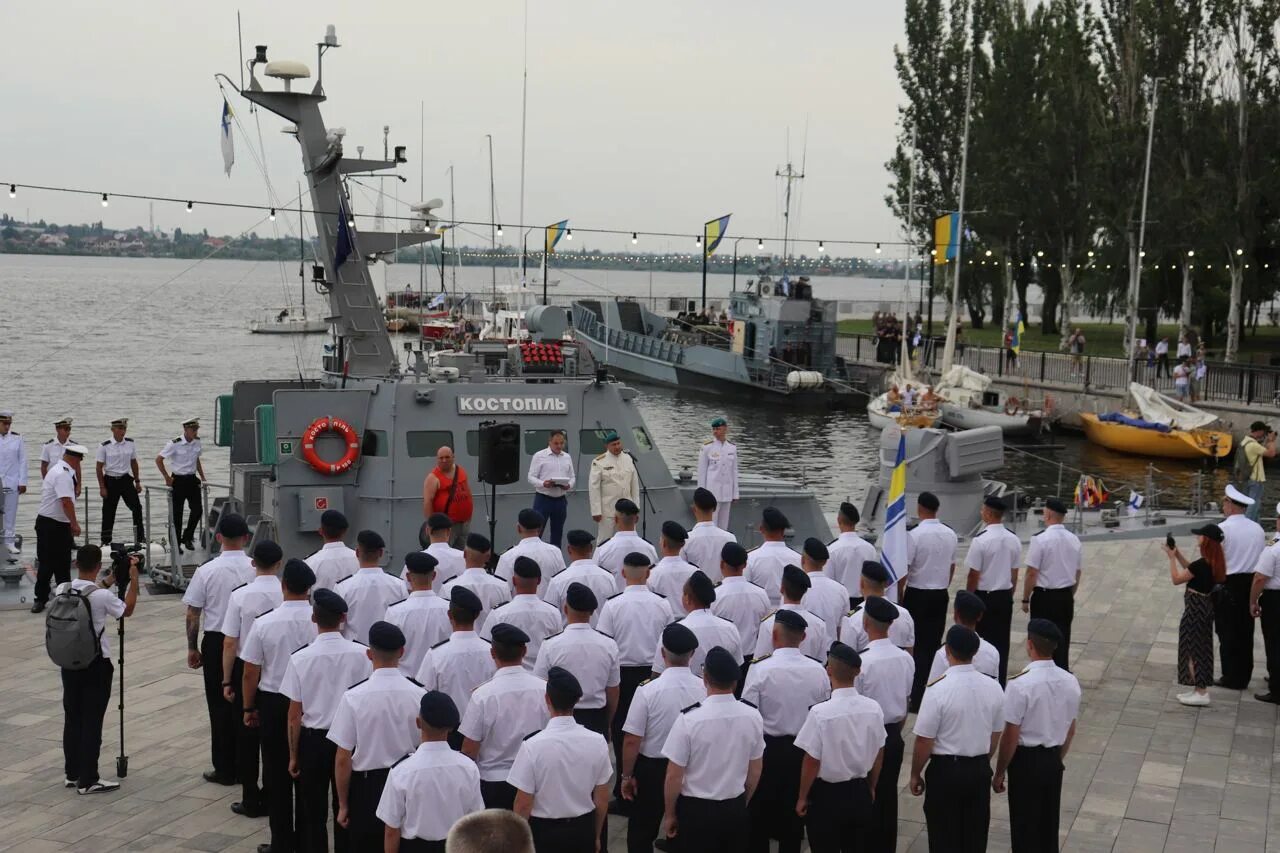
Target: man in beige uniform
(613, 477)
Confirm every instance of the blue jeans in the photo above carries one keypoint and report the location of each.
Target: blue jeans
(554, 511)
(1254, 490)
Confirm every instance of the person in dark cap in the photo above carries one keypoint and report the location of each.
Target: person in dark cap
(698, 596)
(706, 538)
(1054, 562)
(370, 591)
(958, 727)
(315, 678)
(740, 601)
(668, 577)
(591, 656)
(552, 475)
(715, 752)
(116, 464)
(875, 583)
(430, 789)
(334, 561)
(367, 744)
(561, 775)
(817, 636)
(968, 611)
(827, 599)
(450, 561)
(764, 563)
(613, 477)
(490, 589)
(931, 566)
(13, 481)
(529, 526)
(423, 616)
(842, 742)
(1040, 708)
(56, 524)
(462, 661)
(848, 552)
(1258, 445)
(581, 569)
(625, 540)
(995, 555)
(718, 470)
(185, 478)
(526, 611)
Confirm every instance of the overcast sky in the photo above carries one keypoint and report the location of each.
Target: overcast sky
(655, 115)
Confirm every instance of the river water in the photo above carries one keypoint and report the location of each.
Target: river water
(156, 340)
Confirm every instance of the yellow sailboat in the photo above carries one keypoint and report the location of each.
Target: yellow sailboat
(1162, 427)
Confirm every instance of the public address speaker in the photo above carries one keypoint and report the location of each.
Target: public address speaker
(499, 453)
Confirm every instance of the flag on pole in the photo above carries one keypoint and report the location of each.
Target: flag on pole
(1136, 501)
(946, 238)
(1019, 329)
(713, 232)
(554, 233)
(893, 553)
(342, 249)
(437, 301)
(228, 143)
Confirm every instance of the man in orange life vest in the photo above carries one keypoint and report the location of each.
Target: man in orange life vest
(448, 490)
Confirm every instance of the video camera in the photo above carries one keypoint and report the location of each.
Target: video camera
(121, 557)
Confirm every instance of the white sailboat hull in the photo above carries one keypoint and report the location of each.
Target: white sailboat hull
(963, 417)
(289, 326)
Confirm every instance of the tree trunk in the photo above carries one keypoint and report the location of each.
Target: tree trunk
(1131, 299)
(1067, 275)
(1233, 310)
(1184, 316)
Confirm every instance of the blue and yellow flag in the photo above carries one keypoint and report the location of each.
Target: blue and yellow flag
(1019, 329)
(946, 238)
(554, 233)
(893, 551)
(713, 232)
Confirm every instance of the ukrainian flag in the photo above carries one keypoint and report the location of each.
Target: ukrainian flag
(1019, 329)
(554, 233)
(946, 238)
(713, 232)
(893, 553)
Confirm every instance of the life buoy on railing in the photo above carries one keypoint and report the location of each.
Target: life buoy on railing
(1011, 405)
(328, 424)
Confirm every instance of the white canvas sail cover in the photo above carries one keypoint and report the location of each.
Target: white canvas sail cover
(1158, 408)
(963, 378)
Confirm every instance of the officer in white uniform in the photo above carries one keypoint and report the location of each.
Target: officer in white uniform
(613, 477)
(827, 599)
(463, 661)
(642, 769)
(334, 561)
(491, 591)
(52, 449)
(526, 611)
(765, 562)
(740, 601)
(370, 591)
(817, 636)
(118, 479)
(590, 655)
(184, 479)
(374, 726)
(968, 611)
(959, 724)
(715, 751)
(450, 561)
(995, 555)
(1040, 707)
(529, 525)
(875, 580)
(718, 470)
(561, 775)
(56, 524)
(581, 570)
(672, 572)
(433, 787)
(501, 713)
(423, 617)
(783, 686)
(706, 539)
(1054, 562)
(611, 552)
(711, 630)
(552, 476)
(842, 740)
(931, 565)
(13, 480)
(848, 552)
(315, 680)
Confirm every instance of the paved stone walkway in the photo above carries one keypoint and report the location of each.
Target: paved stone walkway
(1145, 773)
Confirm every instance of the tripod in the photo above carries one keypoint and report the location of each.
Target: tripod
(646, 502)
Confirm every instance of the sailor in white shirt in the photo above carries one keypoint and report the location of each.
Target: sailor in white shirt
(783, 686)
(642, 768)
(842, 741)
(591, 656)
(492, 591)
(13, 479)
(957, 729)
(561, 774)
(433, 787)
(968, 611)
(51, 450)
(184, 478)
(1040, 707)
(581, 570)
(501, 713)
(706, 538)
(612, 477)
(826, 599)
(423, 617)
(718, 470)
(462, 662)
(450, 562)
(552, 476)
(374, 726)
(118, 478)
(764, 563)
(207, 594)
(529, 528)
(56, 523)
(1264, 604)
(818, 635)
(740, 601)
(875, 580)
(715, 752)
(610, 553)
(931, 565)
(995, 555)
(672, 572)
(315, 679)
(711, 630)
(334, 561)
(1242, 544)
(370, 591)
(1054, 561)
(526, 611)
(848, 552)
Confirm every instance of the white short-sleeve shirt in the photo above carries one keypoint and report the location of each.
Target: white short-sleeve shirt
(844, 734)
(1056, 554)
(561, 766)
(715, 741)
(429, 791)
(961, 712)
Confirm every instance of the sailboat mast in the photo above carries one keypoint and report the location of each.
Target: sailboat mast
(524, 112)
(1135, 275)
(948, 354)
(453, 231)
(302, 254)
(906, 272)
(493, 216)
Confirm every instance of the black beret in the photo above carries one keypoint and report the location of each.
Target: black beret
(562, 680)
(626, 506)
(674, 531)
(702, 588)
(370, 540)
(1046, 629)
(479, 543)
(774, 519)
(734, 554)
(505, 632)
(438, 711)
(580, 538)
(873, 570)
(995, 503)
(461, 596)
(929, 501)
(846, 655)
(850, 512)
(298, 575)
(678, 639)
(267, 553)
(880, 609)
(527, 567)
(334, 520)
(962, 642)
(233, 526)
(530, 519)
(795, 576)
(703, 499)
(637, 558)
(790, 619)
(969, 605)
(327, 599)
(1058, 505)
(420, 562)
(815, 550)
(722, 666)
(385, 637)
(439, 521)
(579, 597)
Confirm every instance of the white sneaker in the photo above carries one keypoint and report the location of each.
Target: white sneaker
(1194, 699)
(99, 787)
(69, 783)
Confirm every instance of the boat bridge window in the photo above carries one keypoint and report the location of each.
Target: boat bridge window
(536, 439)
(643, 443)
(591, 441)
(426, 442)
(373, 443)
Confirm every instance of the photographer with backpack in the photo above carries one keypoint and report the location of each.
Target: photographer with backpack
(76, 639)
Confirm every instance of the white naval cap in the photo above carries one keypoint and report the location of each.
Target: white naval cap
(6, 414)
(62, 422)
(77, 449)
(192, 422)
(1236, 496)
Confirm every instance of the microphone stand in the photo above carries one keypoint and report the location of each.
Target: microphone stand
(646, 503)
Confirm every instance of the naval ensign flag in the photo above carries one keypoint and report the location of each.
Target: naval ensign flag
(228, 143)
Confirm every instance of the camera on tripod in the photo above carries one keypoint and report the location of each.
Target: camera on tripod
(121, 556)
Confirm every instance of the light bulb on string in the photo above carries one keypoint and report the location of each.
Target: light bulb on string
(568, 234)
(697, 241)
(821, 248)
(499, 229)
(104, 200)
(877, 248)
(13, 190)
(1191, 253)
(189, 206)
(272, 217)
(760, 244)
(988, 253)
(634, 238)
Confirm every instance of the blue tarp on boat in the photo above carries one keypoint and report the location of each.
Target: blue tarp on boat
(1117, 418)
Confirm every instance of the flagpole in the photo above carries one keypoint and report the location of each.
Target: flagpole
(704, 269)
(948, 354)
(546, 251)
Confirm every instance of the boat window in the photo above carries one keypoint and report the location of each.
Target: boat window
(427, 442)
(473, 444)
(536, 439)
(373, 443)
(643, 443)
(591, 441)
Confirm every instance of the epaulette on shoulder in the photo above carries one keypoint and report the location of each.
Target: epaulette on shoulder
(1037, 533)
(531, 734)
(360, 643)
(643, 683)
(238, 586)
(347, 578)
(768, 616)
(602, 543)
(414, 680)
(979, 533)
(1017, 675)
(948, 526)
(598, 458)
(500, 606)
(50, 441)
(936, 680)
(556, 634)
(854, 610)
(358, 683)
(812, 658)
(612, 597)
(691, 707)
(264, 613)
(490, 642)
(755, 661)
(598, 631)
(749, 704)
(105, 443)
(401, 758)
(708, 441)
(441, 643)
(659, 594)
(175, 440)
(299, 648)
(127, 438)
(394, 603)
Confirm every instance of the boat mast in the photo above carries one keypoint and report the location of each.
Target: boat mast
(453, 231)
(1135, 271)
(789, 175)
(906, 273)
(948, 354)
(524, 112)
(302, 254)
(493, 216)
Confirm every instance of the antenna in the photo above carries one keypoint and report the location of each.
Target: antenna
(789, 176)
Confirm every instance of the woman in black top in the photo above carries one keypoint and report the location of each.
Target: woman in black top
(1195, 630)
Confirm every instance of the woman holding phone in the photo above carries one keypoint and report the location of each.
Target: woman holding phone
(1195, 630)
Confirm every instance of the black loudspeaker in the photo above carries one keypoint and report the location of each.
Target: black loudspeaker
(499, 454)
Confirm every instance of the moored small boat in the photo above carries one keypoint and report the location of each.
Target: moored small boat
(1162, 427)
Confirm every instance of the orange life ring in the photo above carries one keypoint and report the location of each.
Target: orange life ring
(1011, 405)
(328, 424)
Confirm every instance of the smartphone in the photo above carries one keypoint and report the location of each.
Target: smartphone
(1168, 540)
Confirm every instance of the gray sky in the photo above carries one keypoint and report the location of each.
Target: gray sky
(653, 116)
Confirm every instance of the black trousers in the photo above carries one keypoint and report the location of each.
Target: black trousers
(882, 834)
(364, 830)
(316, 792)
(186, 490)
(1035, 796)
(414, 845)
(1162, 369)
(596, 719)
(248, 746)
(839, 816)
(554, 511)
(712, 826)
(273, 711)
(564, 835)
(85, 695)
(1270, 602)
(121, 488)
(498, 795)
(1059, 607)
(222, 714)
(928, 609)
(1234, 625)
(53, 553)
(645, 819)
(995, 623)
(957, 803)
(630, 680)
(773, 808)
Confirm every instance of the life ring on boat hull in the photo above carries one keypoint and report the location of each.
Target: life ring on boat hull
(1012, 405)
(342, 428)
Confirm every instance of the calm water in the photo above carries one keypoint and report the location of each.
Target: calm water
(157, 340)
